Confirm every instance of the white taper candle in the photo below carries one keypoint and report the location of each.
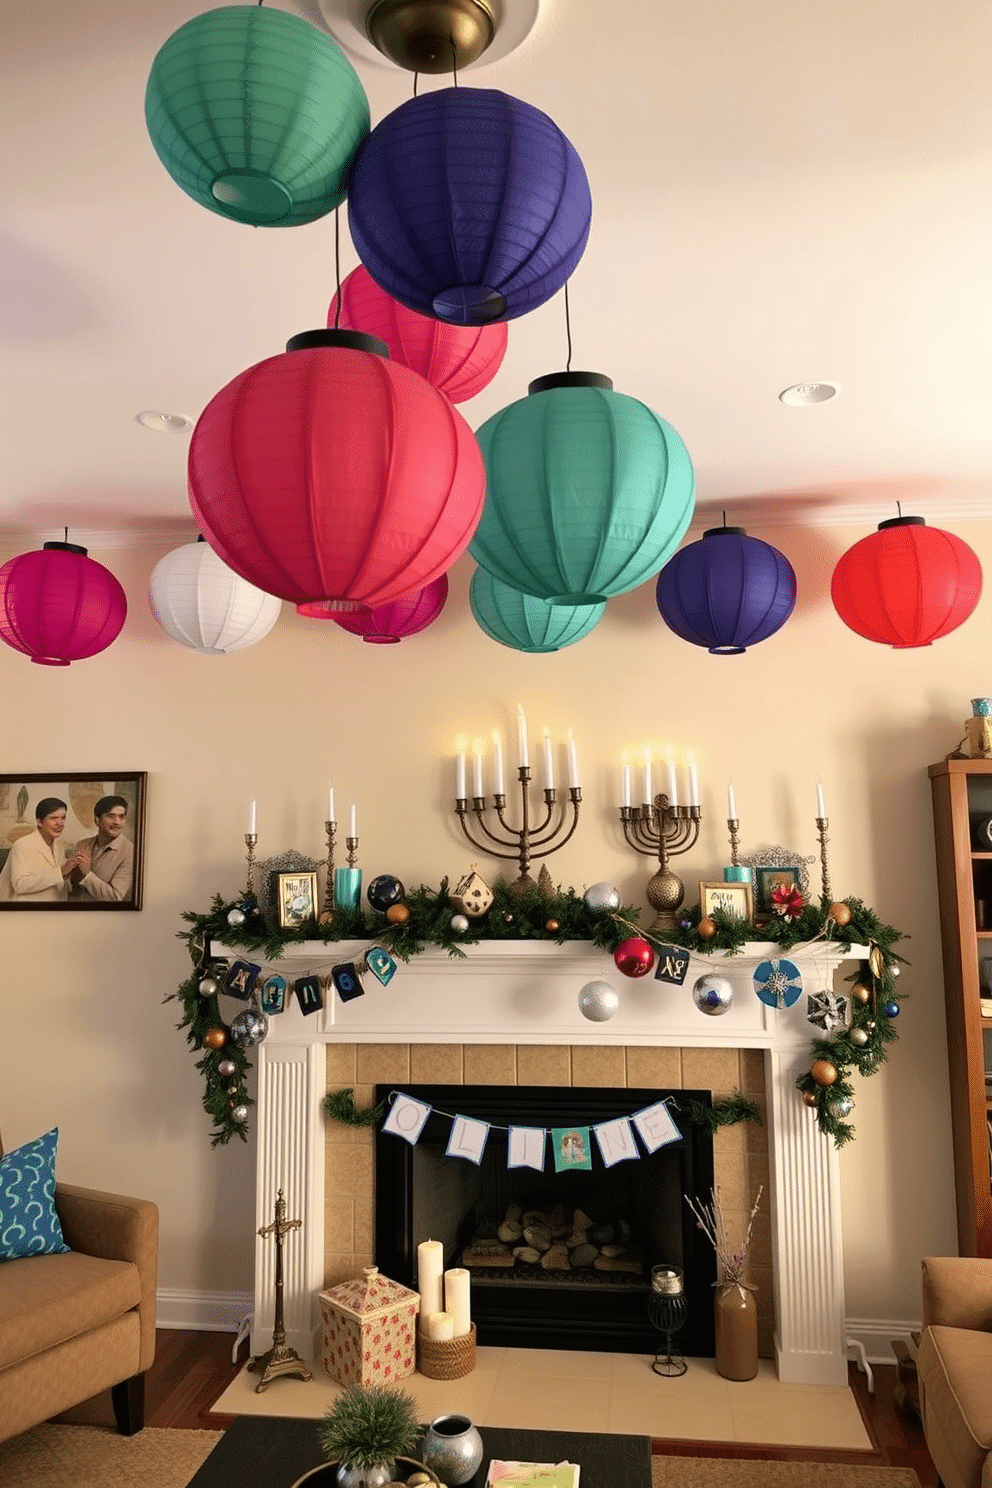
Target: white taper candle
(498, 786)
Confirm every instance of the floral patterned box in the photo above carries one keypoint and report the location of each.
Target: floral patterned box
(369, 1330)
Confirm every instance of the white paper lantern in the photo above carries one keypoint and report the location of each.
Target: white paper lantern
(203, 604)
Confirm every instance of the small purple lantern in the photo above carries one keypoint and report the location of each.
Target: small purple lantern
(726, 592)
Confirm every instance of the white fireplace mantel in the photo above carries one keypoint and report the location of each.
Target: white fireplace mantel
(526, 993)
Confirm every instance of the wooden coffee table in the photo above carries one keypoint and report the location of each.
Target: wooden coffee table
(276, 1450)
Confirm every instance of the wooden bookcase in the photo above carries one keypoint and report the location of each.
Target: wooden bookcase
(962, 797)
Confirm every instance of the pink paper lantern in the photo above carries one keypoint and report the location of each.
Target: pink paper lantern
(458, 360)
(330, 473)
(57, 605)
(387, 624)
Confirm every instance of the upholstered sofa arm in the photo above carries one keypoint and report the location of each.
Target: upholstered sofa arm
(116, 1228)
(957, 1292)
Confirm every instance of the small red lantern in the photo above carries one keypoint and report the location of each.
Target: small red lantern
(906, 584)
(634, 957)
(329, 473)
(58, 605)
(390, 623)
(458, 360)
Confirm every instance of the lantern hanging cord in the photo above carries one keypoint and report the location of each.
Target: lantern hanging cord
(454, 61)
(337, 265)
(415, 77)
(568, 331)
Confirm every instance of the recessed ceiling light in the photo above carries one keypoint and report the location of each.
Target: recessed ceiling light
(803, 394)
(164, 423)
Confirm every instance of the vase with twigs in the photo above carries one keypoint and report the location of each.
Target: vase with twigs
(735, 1313)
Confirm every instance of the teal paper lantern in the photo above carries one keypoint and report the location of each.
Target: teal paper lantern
(257, 115)
(525, 623)
(588, 491)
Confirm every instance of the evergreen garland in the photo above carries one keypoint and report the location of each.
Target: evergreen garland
(340, 1106)
(526, 916)
(726, 1110)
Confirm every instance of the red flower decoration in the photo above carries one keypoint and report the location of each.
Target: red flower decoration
(788, 901)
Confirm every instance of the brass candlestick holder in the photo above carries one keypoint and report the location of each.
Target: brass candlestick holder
(527, 842)
(280, 1359)
(733, 826)
(668, 831)
(822, 823)
(250, 839)
(327, 913)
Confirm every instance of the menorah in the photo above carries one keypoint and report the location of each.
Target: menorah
(658, 827)
(527, 841)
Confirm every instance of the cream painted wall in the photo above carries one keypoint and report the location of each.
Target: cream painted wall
(88, 1043)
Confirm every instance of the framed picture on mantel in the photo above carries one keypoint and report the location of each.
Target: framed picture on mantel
(733, 898)
(72, 840)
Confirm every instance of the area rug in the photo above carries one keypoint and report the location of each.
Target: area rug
(92, 1457)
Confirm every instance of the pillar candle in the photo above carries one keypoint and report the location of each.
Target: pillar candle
(440, 1327)
(430, 1265)
(456, 1300)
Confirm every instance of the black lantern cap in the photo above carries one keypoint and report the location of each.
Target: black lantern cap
(570, 379)
(722, 531)
(63, 547)
(349, 340)
(902, 522)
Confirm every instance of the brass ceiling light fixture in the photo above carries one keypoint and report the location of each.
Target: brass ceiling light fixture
(431, 35)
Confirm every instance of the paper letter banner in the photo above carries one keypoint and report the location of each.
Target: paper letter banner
(616, 1141)
(655, 1126)
(571, 1145)
(468, 1138)
(406, 1118)
(526, 1148)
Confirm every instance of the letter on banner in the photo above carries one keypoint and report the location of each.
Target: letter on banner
(616, 1141)
(526, 1148)
(655, 1126)
(468, 1138)
(406, 1118)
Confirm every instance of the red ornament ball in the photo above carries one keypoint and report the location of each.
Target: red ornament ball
(706, 928)
(634, 957)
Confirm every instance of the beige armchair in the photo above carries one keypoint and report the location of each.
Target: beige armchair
(954, 1367)
(74, 1324)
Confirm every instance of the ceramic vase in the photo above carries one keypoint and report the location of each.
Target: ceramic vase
(735, 1316)
(452, 1449)
(365, 1477)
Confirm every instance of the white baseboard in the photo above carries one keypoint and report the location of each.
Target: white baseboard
(203, 1312)
(876, 1336)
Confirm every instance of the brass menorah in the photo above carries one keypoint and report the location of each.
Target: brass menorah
(526, 841)
(659, 828)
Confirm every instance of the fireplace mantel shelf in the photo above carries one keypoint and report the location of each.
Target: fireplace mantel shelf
(527, 992)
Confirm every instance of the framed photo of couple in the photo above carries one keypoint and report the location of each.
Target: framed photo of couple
(72, 840)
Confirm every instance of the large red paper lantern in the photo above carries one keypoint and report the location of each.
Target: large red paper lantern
(390, 623)
(906, 584)
(58, 605)
(329, 473)
(459, 360)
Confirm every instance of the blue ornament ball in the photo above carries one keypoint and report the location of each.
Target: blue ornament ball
(385, 891)
(890, 1009)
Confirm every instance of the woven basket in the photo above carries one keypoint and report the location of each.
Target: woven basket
(446, 1359)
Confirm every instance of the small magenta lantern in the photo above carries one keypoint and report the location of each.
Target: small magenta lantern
(58, 605)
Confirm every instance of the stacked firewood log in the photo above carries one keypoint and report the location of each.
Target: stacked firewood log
(557, 1239)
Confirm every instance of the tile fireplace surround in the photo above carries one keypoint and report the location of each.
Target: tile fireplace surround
(508, 1014)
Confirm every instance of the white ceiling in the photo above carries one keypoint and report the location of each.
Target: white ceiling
(783, 191)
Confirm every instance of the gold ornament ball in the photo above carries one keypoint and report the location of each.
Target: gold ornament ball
(840, 913)
(397, 914)
(860, 992)
(552, 927)
(823, 1072)
(706, 928)
(215, 1038)
(809, 1098)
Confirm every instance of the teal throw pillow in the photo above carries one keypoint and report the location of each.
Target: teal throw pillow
(29, 1224)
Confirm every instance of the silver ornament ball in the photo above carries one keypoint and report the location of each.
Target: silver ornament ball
(598, 1001)
(840, 1106)
(208, 986)
(895, 971)
(458, 923)
(712, 994)
(858, 1037)
(240, 1113)
(600, 897)
(248, 1028)
(226, 1067)
(235, 916)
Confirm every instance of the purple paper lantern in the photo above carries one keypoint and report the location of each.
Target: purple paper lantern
(469, 205)
(389, 623)
(726, 592)
(57, 605)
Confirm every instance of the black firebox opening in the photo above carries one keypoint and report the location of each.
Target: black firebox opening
(637, 1214)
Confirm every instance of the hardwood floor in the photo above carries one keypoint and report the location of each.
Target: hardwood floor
(192, 1369)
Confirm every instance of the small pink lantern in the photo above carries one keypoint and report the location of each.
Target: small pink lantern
(58, 605)
(389, 623)
(458, 360)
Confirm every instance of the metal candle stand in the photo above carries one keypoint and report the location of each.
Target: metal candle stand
(822, 823)
(668, 831)
(668, 1311)
(250, 840)
(327, 913)
(527, 842)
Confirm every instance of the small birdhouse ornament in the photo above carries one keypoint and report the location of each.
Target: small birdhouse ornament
(472, 896)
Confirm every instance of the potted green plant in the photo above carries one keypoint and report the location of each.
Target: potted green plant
(366, 1429)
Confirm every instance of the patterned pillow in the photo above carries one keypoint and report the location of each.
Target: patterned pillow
(29, 1224)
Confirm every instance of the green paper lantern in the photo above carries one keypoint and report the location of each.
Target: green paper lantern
(588, 492)
(257, 115)
(525, 623)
